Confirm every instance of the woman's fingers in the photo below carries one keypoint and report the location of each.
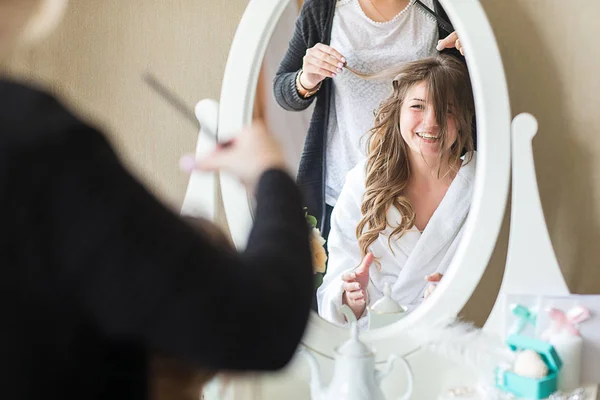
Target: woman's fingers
(451, 41)
(357, 296)
(349, 277)
(330, 51)
(253, 152)
(313, 65)
(459, 47)
(320, 62)
(435, 277)
(429, 290)
(447, 42)
(365, 265)
(351, 286)
(324, 57)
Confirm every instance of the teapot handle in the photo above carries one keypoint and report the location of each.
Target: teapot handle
(409, 379)
(409, 374)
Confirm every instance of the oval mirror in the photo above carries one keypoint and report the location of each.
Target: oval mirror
(481, 224)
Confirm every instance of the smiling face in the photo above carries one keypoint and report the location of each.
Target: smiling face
(419, 127)
(407, 140)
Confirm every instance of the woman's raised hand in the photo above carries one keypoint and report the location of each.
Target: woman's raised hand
(321, 61)
(355, 286)
(248, 156)
(434, 279)
(451, 41)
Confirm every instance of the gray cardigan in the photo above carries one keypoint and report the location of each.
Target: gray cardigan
(313, 26)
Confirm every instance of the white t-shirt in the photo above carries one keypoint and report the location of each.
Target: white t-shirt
(369, 47)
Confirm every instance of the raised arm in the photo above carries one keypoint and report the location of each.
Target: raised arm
(307, 61)
(139, 271)
(144, 274)
(284, 84)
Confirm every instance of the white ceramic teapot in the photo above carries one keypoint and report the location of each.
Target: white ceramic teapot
(354, 376)
(386, 310)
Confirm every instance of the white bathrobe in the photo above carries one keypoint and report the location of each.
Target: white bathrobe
(413, 256)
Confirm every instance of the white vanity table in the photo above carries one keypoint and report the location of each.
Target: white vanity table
(529, 250)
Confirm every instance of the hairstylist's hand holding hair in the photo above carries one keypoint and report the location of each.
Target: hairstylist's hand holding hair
(355, 286)
(449, 42)
(321, 61)
(248, 156)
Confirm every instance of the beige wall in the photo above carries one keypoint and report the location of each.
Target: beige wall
(552, 62)
(550, 55)
(553, 67)
(98, 55)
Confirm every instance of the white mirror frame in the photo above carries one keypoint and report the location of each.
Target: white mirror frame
(491, 183)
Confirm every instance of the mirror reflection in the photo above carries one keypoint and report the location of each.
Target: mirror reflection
(387, 161)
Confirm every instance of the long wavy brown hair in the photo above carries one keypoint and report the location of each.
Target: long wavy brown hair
(388, 168)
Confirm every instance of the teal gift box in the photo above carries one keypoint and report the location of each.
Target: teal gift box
(530, 388)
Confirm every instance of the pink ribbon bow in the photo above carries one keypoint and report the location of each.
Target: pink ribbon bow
(568, 321)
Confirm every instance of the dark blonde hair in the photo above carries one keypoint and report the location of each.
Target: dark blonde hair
(388, 168)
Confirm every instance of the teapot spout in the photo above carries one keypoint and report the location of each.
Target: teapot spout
(316, 387)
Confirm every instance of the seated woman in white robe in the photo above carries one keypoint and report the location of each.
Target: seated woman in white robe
(401, 212)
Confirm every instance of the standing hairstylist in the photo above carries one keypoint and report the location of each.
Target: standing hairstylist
(97, 273)
(370, 36)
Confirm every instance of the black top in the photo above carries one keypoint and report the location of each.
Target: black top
(314, 26)
(97, 274)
